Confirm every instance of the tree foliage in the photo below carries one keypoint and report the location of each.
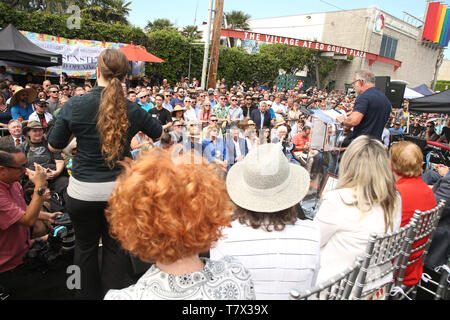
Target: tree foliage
(109, 11)
(159, 24)
(192, 33)
(174, 47)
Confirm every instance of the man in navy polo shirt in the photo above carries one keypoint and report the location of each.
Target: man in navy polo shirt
(372, 108)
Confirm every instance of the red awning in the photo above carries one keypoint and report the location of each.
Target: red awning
(135, 53)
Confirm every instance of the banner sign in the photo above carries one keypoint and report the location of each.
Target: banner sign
(378, 25)
(79, 56)
(309, 44)
(437, 24)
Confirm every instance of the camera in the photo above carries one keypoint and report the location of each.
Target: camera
(60, 243)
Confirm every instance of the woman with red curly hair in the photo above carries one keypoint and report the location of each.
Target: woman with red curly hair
(167, 210)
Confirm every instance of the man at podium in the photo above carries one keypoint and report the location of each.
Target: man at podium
(372, 108)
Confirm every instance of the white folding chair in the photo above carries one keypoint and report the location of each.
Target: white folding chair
(382, 260)
(427, 222)
(337, 288)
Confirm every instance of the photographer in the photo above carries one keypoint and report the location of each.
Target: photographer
(21, 280)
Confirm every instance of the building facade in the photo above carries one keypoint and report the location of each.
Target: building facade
(364, 30)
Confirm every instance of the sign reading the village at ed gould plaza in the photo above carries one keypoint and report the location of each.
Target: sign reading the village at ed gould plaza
(308, 44)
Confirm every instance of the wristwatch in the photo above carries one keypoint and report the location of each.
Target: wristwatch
(41, 191)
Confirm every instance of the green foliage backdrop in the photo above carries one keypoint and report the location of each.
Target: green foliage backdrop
(174, 47)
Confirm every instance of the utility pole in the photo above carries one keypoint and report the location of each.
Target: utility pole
(216, 44)
(208, 41)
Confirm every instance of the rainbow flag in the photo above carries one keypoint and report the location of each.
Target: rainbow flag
(437, 24)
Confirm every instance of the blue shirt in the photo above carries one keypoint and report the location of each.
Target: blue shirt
(376, 108)
(146, 106)
(19, 111)
(400, 130)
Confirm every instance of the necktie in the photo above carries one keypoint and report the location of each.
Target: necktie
(17, 142)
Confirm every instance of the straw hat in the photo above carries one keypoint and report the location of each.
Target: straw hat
(178, 108)
(280, 122)
(265, 181)
(32, 95)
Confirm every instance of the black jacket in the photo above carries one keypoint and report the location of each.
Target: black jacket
(78, 117)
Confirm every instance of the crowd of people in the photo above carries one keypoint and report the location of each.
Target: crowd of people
(203, 186)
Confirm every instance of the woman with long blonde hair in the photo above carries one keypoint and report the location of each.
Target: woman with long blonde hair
(104, 123)
(365, 201)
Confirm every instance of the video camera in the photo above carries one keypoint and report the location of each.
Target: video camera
(60, 243)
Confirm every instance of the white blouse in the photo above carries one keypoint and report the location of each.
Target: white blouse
(345, 231)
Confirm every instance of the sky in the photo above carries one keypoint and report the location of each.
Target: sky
(194, 12)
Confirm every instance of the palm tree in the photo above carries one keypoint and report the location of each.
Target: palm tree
(109, 11)
(159, 24)
(192, 33)
(237, 20)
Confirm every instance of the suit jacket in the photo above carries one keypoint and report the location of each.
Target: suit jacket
(8, 140)
(256, 118)
(231, 150)
(439, 250)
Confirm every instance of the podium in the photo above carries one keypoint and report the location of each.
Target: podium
(323, 157)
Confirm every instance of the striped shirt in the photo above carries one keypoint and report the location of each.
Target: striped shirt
(279, 261)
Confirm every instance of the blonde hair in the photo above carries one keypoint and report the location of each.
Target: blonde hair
(406, 159)
(112, 116)
(365, 169)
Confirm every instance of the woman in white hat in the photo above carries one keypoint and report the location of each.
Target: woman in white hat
(280, 250)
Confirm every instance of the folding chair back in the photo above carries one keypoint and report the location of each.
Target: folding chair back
(426, 225)
(337, 288)
(382, 260)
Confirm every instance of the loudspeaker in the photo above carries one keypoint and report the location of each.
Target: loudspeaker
(395, 94)
(382, 83)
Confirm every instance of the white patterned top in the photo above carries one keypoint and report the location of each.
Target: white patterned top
(224, 279)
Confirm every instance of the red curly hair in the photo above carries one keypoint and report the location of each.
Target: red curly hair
(167, 207)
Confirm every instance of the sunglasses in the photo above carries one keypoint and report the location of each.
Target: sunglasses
(233, 99)
(65, 89)
(215, 120)
(53, 91)
(144, 96)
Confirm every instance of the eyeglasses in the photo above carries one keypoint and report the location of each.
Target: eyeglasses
(65, 89)
(53, 91)
(221, 98)
(188, 101)
(21, 168)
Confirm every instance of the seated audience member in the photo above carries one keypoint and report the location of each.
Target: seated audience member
(215, 148)
(136, 143)
(439, 250)
(5, 112)
(23, 280)
(417, 127)
(165, 142)
(167, 211)
(79, 91)
(131, 96)
(429, 133)
(36, 150)
(237, 147)
(445, 136)
(364, 202)
(406, 159)
(62, 101)
(15, 137)
(280, 249)
(397, 128)
(160, 113)
(21, 107)
(40, 115)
